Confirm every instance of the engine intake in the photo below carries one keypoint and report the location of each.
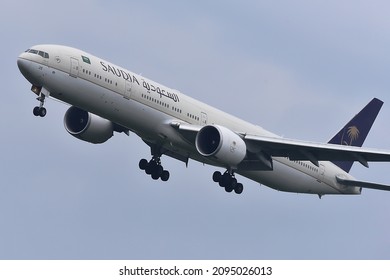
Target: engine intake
(222, 143)
(87, 126)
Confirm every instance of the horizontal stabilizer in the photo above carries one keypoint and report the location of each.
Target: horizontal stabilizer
(362, 184)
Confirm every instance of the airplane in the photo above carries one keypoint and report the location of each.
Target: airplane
(105, 98)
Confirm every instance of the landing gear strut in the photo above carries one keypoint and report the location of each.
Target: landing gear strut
(39, 110)
(154, 169)
(228, 181)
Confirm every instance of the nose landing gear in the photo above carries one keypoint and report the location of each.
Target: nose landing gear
(39, 110)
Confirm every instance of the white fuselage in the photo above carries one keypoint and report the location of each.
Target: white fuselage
(147, 108)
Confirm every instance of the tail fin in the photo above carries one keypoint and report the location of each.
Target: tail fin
(356, 130)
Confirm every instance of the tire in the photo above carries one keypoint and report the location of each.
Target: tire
(225, 179)
(158, 170)
(36, 111)
(143, 163)
(217, 176)
(239, 188)
(42, 112)
(165, 176)
(149, 168)
(155, 176)
(233, 183)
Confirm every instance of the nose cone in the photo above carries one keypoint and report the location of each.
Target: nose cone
(24, 65)
(29, 70)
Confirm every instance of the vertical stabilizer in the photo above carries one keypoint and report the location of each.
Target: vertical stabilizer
(356, 130)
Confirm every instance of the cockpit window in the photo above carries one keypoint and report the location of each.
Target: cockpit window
(40, 53)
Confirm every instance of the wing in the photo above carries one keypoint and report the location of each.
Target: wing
(314, 152)
(260, 147)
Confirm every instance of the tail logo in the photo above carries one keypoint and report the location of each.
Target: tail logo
(353, 134)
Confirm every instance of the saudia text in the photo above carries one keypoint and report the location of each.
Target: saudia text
(129, 77)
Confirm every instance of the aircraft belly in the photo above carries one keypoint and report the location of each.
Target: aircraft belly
(287, 179)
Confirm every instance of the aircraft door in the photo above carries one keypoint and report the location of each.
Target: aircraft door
(203, 118)
(74, 67)
(321, 172)
(127, 94)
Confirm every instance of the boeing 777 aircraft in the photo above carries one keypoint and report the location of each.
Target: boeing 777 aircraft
(106, 98)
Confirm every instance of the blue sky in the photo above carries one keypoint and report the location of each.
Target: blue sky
(300, 69)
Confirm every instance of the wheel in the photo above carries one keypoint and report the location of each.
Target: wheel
(217, 176)
(225, 179)
(143, 163)
(228, 189)
(239, 188)
(155, 176)
(36, 111)
(165, 175)
(149, 168)
(233, 182)
(158, 170)
(42, 111)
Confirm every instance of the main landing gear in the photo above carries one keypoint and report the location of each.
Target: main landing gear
(39, 110)
(228, 181)
(154, 168)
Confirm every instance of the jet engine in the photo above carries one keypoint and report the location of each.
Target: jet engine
(87, 126)
(221, 143)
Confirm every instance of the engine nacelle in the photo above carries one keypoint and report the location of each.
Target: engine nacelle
(87, 126)
(222, 143)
